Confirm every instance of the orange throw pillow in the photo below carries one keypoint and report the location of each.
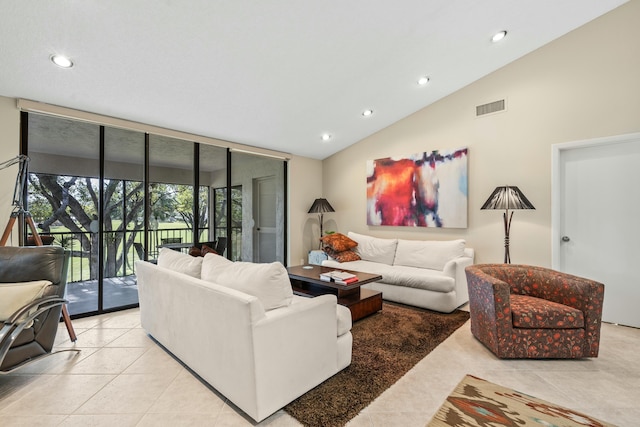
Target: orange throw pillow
(338, 242)
(343, 256)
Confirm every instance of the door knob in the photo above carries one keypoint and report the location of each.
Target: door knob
(565, 238)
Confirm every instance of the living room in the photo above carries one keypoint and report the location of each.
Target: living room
(579, 87)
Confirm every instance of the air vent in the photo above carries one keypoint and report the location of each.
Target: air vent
(492, 107)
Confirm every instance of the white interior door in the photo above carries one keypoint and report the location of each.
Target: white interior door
(597, 208)
(265, 249)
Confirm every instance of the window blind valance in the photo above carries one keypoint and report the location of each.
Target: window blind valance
(69, 113)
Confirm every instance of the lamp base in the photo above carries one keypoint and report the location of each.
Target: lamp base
(507, 227)
(320, 239)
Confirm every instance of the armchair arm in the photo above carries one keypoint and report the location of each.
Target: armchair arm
(22, 319)
(45, 302)
(489, 306)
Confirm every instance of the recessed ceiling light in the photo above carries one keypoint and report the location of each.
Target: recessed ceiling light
(423, 80)
(326, 136)
(367, 113)
(61, 61)
(498, 36)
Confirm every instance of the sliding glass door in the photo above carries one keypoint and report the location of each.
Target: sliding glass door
(213, 175)
(64, 199)
(113, 196)
(122, 215)
(171, 184)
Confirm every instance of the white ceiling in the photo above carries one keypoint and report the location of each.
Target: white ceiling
(273, 74)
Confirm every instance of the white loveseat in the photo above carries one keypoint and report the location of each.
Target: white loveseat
(422, 273)
(260, 351)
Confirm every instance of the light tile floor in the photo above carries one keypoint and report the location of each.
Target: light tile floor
(123, 378)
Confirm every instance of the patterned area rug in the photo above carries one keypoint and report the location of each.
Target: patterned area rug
(385, 346)
(479, 403)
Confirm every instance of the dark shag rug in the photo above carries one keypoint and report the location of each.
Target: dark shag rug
(385, 346)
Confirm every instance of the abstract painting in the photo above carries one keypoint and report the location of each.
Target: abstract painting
(427, 189)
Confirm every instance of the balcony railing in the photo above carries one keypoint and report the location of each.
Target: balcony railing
(81, 267)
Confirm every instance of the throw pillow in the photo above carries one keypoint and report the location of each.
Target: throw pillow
(338, 242)
(268, 282)
(344, 256)
(375, 249)
(182, 263)
(17, 295)
(201, 251)
(433, 254)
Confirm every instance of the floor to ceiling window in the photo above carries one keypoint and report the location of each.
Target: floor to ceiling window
(220, 216)
(121, 219)
(171, 184)
(90, 187)
(212, 165)
(64, 201)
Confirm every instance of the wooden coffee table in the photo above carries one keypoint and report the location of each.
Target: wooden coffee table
(305, 281)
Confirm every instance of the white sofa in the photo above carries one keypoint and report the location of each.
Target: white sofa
(422, 273)
(260, 351)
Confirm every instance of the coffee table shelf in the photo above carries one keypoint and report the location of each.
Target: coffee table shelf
(305, 281)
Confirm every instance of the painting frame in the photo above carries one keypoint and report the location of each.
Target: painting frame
(427, 189)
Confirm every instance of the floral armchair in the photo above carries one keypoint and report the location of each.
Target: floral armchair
(521, 311)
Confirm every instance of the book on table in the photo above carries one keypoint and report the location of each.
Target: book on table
(340, 277)
(346, 281)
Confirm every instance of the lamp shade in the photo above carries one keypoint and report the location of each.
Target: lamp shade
(507, 197)
(321, 206)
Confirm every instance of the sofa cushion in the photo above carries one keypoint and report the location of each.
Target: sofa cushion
(536, 313)
(268, 282)
(411, 277)
(17, 295)
(179, 262)
(433, 254)
(338, 242)
(419, 278)
(375, 249)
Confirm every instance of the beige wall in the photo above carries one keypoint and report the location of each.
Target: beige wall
(584, 85)
(305, 185)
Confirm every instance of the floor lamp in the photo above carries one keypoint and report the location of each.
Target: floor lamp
(507, 198)
(320, 206)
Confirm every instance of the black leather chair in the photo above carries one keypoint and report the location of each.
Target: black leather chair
(29, 333)
(221, 245)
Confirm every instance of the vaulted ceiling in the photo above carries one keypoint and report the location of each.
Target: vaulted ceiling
(271, 74)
